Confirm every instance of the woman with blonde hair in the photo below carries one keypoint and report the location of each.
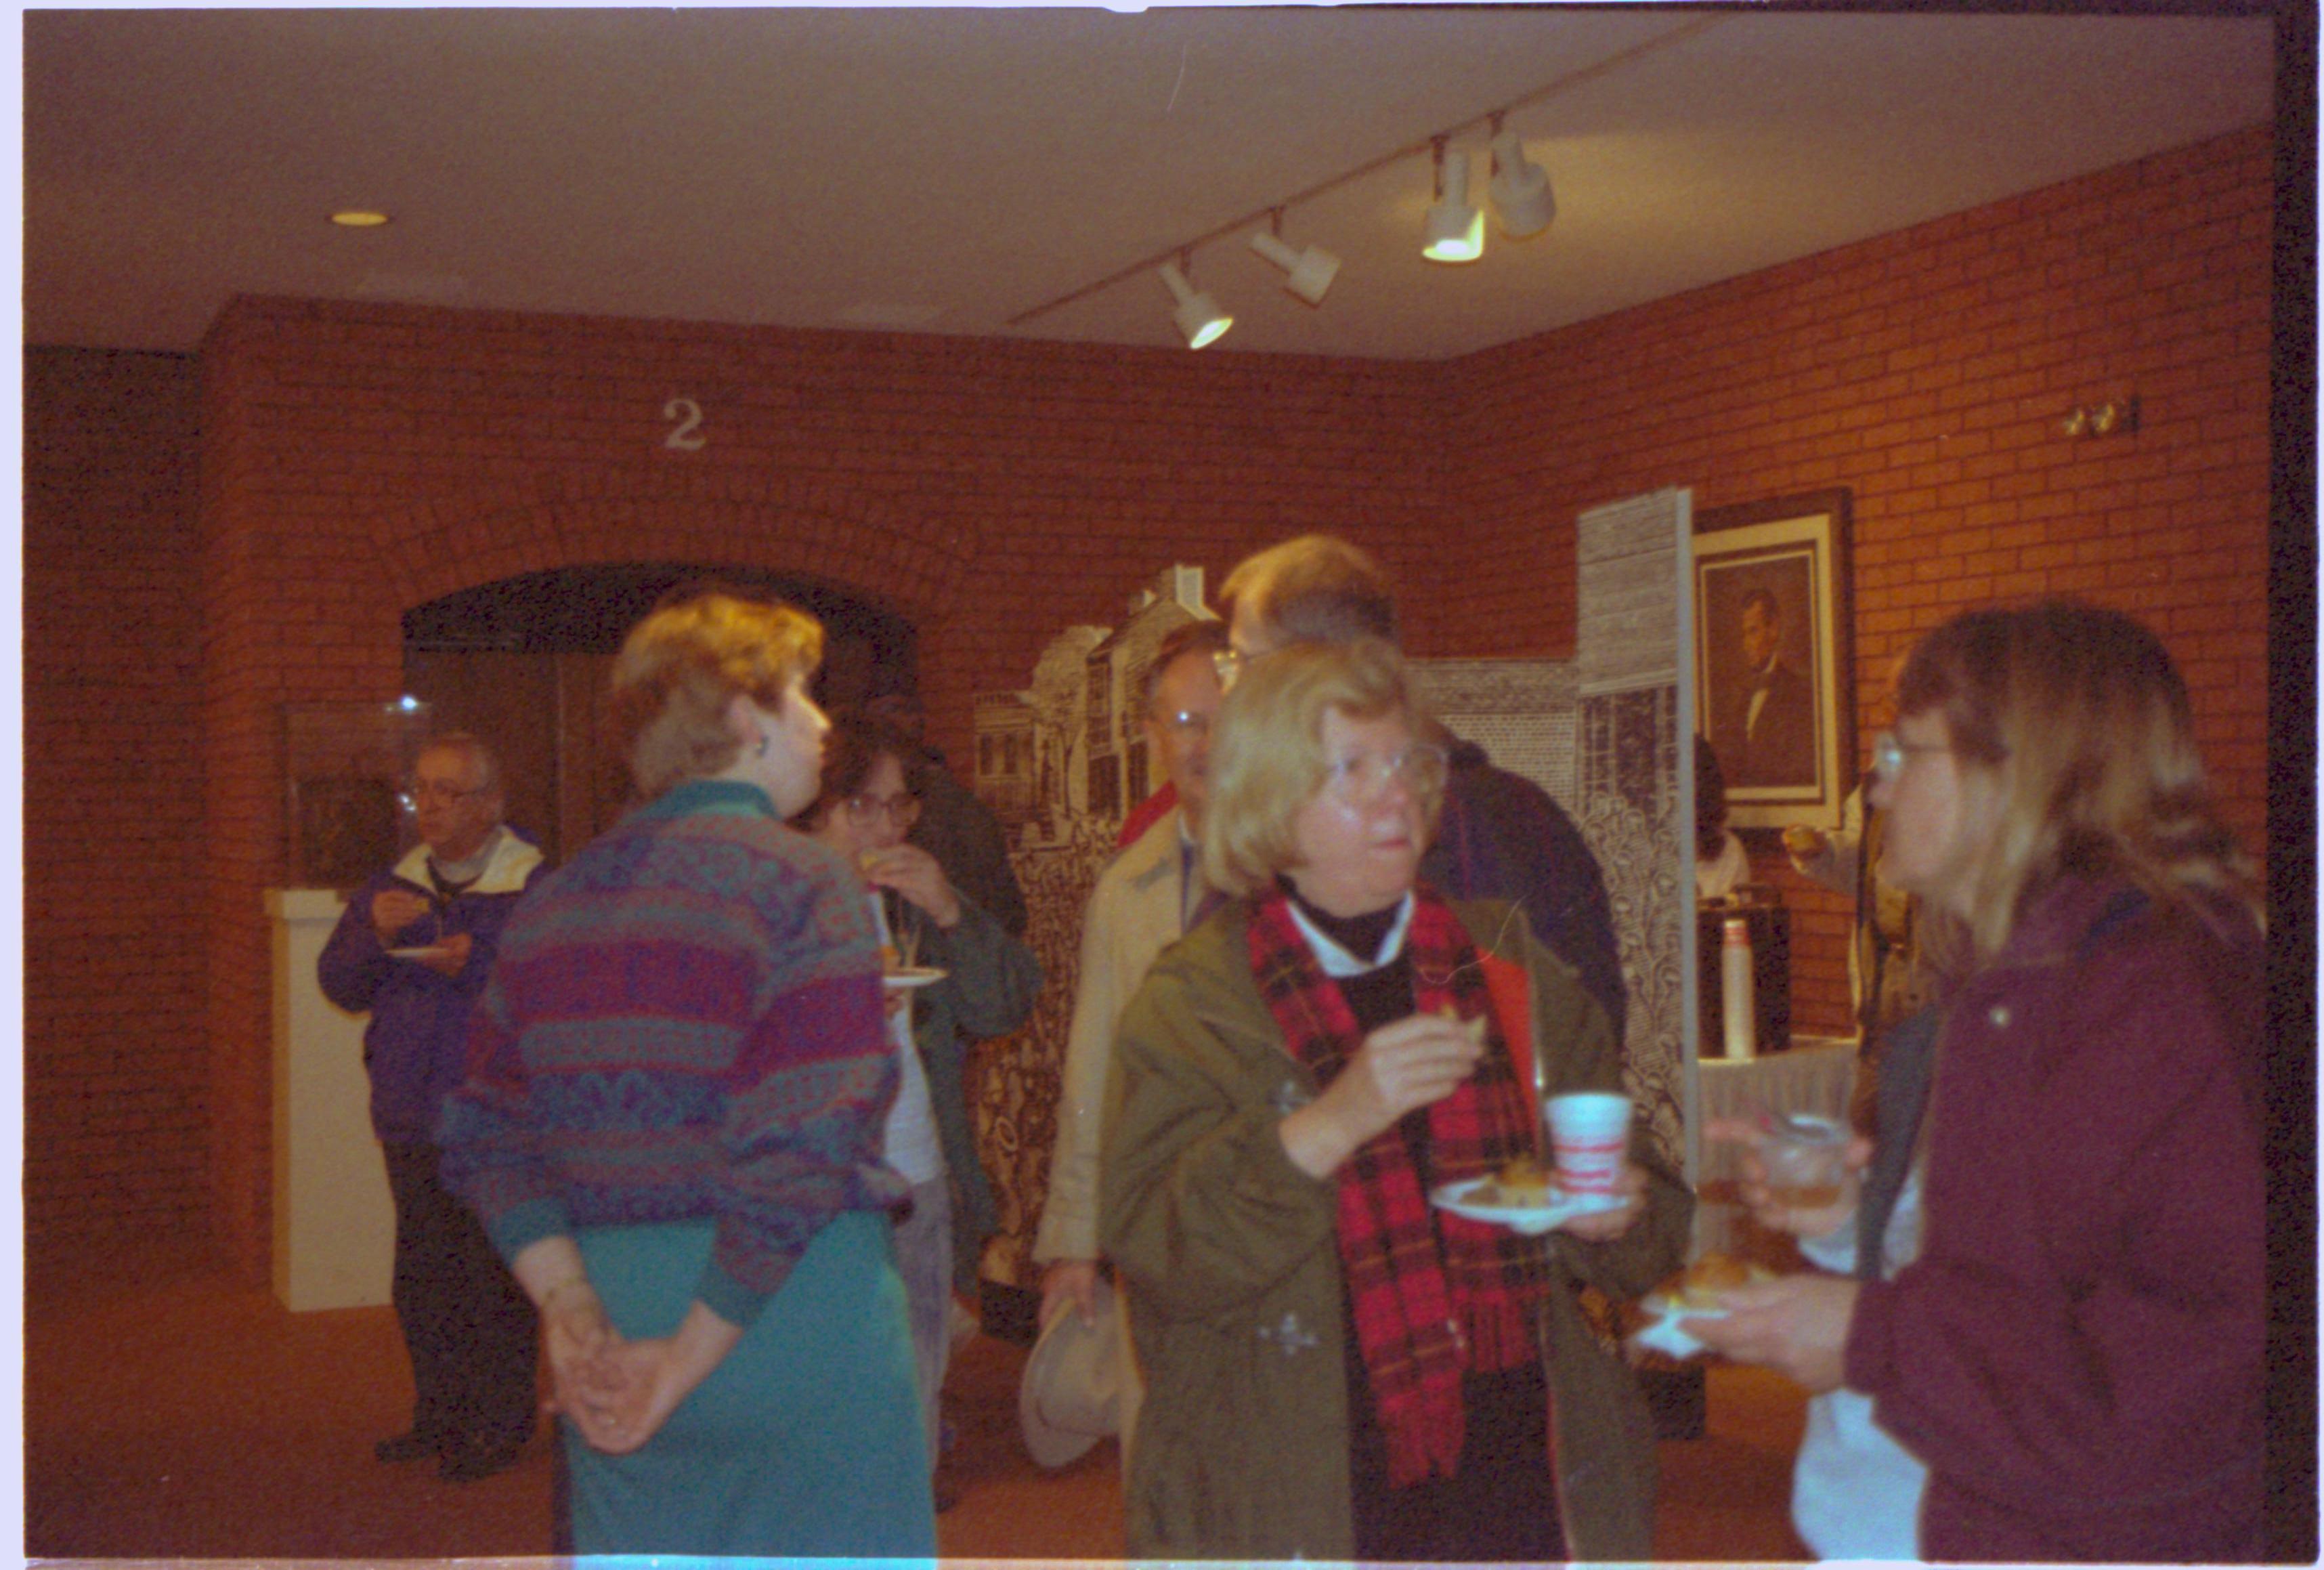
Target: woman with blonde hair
(2077, 1353)
(677, 1076)
(1335, 1369)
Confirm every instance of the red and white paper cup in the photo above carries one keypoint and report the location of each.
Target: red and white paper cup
(1589, 1138)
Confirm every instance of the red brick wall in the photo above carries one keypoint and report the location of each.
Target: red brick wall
(370, 458)
(359, 459)
(1928, 371)
(114, 1105)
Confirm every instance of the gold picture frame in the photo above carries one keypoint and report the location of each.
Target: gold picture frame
(1774, 667)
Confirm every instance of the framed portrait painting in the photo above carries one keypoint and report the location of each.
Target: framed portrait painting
(1774, 678)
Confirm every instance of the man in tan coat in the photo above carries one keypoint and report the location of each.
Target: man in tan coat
(1145, 899)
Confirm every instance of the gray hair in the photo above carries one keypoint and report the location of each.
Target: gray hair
(476, 748)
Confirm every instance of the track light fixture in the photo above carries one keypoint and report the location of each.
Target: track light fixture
(1312, 270)
(1198, 315)
(1454, 231)
(1520, 189)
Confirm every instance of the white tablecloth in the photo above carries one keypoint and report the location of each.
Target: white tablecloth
(1812, 1075)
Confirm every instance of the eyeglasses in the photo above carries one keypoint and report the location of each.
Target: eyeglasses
(1232, 664)
(1187, 725)
(1361, 779)
(903, 811)
(420, 790)
(1889, 755)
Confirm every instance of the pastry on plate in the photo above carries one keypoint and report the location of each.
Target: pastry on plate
(1696, 1289)
(1523, 1183)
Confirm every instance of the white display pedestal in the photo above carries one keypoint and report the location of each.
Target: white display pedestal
(334, 1223)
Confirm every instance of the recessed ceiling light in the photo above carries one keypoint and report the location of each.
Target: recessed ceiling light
(358, 218)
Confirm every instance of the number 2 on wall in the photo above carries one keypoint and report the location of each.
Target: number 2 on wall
(685, 436)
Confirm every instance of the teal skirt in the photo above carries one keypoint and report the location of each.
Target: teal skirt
(806, 1440)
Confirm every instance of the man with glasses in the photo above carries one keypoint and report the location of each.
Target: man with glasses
(414, 948)
(1145, 900)
(1501, 837)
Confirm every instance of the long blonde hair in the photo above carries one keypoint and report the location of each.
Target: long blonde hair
(2081, 717)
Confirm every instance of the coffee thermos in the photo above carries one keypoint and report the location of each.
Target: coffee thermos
(1738, 1008)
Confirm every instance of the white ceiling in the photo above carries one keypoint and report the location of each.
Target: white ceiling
(949, 170)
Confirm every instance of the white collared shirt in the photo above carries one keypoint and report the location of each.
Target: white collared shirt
(1338, 961)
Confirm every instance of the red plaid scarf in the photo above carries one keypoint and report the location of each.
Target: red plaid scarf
(1433, 1295)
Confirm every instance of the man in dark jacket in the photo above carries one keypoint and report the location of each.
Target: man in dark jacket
(414, 948)
(1501, 836)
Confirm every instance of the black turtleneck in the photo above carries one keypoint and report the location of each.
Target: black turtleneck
(1380, 994)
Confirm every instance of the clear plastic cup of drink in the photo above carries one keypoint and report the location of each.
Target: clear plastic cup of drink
(1805, 1158)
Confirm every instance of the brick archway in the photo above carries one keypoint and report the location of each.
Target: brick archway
(438, 546)
(318, 617)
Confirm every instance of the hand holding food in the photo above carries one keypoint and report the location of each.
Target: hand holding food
(1801, 841)
(1694, 1297)
(393, 910)
(912, 873)
(1700, 1288)
(1628, 1203)
(450, 954)
(1795, 1325)
(1407, 1063)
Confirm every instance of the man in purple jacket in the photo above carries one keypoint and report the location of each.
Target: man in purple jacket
(414, 948)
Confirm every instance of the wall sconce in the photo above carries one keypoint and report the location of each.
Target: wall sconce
(2115, 417)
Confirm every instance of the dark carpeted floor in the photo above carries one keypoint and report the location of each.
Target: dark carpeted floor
(172, 1414)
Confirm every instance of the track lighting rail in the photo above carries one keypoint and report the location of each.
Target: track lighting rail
(1422, 148)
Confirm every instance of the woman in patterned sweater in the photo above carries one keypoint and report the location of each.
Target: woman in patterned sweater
(676, 1082)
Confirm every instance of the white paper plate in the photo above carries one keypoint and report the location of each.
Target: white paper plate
(916, 975)
(1664, 1334)
(1532, 1220)
(429, 951)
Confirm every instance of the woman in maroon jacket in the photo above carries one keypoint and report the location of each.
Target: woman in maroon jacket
(2077, 1354)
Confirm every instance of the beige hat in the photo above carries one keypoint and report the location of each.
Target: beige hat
(1071, 1395)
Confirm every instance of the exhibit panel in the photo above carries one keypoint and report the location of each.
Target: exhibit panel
(1635, 812)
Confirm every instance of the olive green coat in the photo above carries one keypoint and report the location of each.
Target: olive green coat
(1232, 1271)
